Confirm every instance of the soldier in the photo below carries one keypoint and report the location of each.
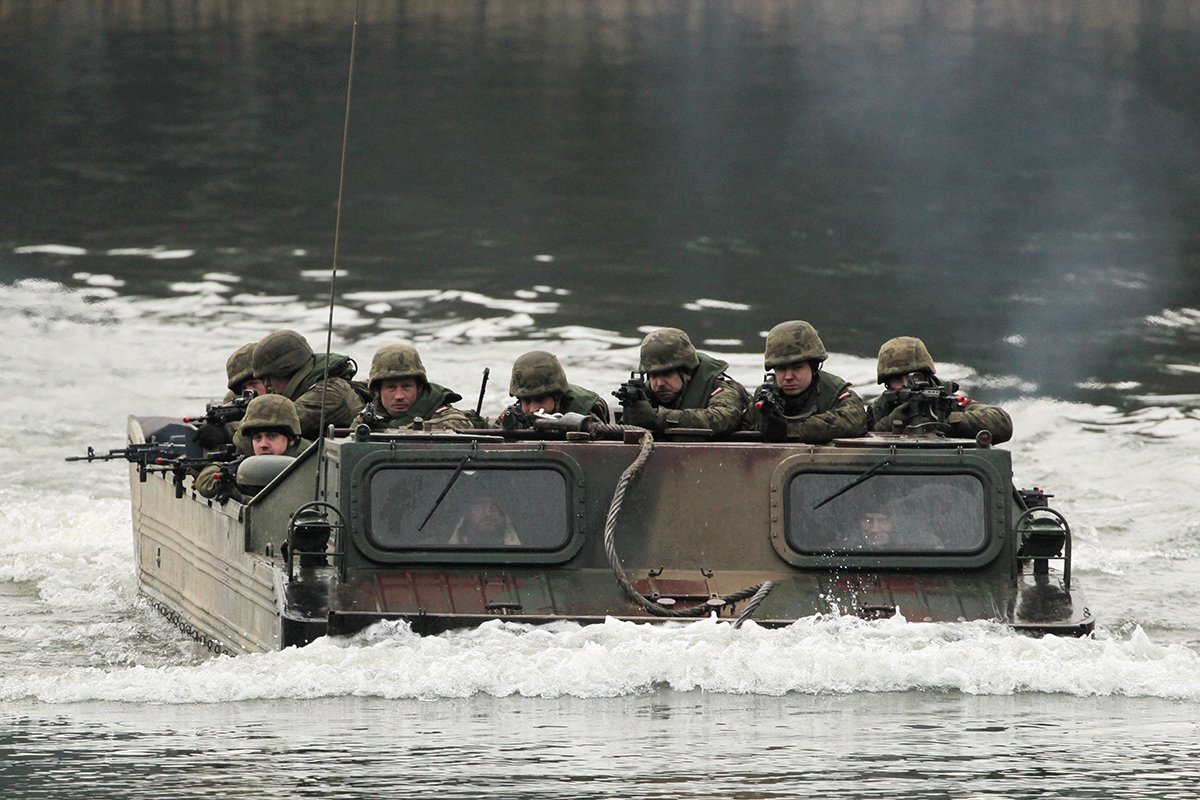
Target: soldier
(214, 432)
(286, 365)
(800, 402)
(904, 364)
(239, 370)
(540, 384)
(402, 394)
(271, 427)
(686, 389)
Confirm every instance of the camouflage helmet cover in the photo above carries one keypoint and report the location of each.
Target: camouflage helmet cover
(270, 412)
(902, 355)
(282, 353)
(395, 361)
(667, 348)
(792, 342)
(240, 367)
(536, 374)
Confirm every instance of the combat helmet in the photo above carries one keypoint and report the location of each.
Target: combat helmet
(240, 367)
(903, 355)
(536, 374)
(792, 342)
(271, 412)
(667, 348)
(395, 361)
(282, 353)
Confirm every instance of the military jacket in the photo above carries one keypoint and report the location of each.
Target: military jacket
(433, 406)
(966, 421)
(828, 409)
(342, 400)
(205, 483)
(711, 400)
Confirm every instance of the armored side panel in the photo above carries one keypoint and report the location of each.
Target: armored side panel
(194, 565)
(700, 520)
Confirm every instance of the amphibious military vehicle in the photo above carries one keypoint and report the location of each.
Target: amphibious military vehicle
(446, 530)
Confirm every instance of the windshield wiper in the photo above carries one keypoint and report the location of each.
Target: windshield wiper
(869, 473)
(453, 477)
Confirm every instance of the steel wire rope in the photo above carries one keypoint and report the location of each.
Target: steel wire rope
(614, 561)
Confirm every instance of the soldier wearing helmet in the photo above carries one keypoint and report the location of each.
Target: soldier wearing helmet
(799, 401)
(271, 427)
(287, 366)
(687, 389)
(239, 370)
(904, 364)
(540, 385)
(402, 395)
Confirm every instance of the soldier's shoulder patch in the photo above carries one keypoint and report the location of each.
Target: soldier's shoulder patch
(440, 410)
(962, 400)
(844, 395)
(717, 391)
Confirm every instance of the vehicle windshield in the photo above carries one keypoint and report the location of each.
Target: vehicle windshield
(468, 508)
(890, 513)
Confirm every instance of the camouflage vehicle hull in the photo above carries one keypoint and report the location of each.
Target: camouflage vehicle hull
(446, 530)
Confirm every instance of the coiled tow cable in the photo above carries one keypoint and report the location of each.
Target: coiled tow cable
(610, 527)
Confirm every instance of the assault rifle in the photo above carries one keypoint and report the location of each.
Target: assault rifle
(769, 402)
(930, 401)
(210, 427)
(630, 392)
(182, 466)
(369, 417)
(143, 454)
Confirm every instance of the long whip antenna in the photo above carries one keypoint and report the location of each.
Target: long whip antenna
(337, 240)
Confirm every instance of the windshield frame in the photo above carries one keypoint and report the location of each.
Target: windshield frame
(449, 459)
(902, 463)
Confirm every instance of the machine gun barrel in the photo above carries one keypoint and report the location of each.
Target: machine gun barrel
(142, 453)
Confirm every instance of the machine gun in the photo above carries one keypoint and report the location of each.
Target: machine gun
(630, 392)
(143, 454)
(182, 466)
(931, 402)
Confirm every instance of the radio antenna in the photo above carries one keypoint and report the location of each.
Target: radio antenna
(337, 240)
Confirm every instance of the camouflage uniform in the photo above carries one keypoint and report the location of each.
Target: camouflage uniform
(286, 353)
(904, 355)
(710, 398)
(271, 412)
(539, 374)
(828, 409)
(433, 403)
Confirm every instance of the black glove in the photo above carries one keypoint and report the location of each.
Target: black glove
(211, 437)
(642, 414)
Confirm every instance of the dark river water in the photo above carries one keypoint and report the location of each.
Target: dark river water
(1018, 183)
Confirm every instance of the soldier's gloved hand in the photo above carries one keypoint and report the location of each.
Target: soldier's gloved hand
(899, 418)
(211, 437)
(642, 414)
(771, 423)
(513, 418)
